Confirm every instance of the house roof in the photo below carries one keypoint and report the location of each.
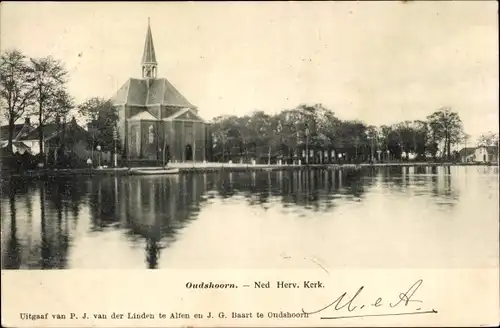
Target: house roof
(17, 146)
(143, 92)
(18, 130)
(467, 151)
(51, 130)
(48, 130)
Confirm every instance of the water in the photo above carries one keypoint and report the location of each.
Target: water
(375, 218)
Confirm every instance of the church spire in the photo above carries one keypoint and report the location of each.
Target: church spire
(149, 64)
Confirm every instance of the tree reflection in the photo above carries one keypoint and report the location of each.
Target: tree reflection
(55, 238)
(12, 256)
(150, 211)
(310, 189)
(45, 242)
(424, 180)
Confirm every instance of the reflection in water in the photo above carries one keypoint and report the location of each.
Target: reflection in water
(123, 221)
(151, 209)
(12, 257)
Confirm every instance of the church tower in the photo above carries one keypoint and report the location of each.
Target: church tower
(149, 64)
(155, 119)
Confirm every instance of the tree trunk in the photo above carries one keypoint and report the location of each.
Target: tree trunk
(448, 146)
(40, 137)
(40, 127)
(11, 135)
(449, 149)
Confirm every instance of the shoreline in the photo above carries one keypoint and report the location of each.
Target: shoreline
(216, 167)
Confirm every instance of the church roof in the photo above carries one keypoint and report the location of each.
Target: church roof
(149, 56)
(184, 114)
(150, 90)
(143, 116)
(159, 92)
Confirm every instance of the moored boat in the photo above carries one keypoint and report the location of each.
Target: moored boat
(139, 171)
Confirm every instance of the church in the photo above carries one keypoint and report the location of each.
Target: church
(156, 122)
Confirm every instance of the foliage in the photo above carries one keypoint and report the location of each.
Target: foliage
(16, 88)
(446, 127)
(102, 118)
(488, 139)
(287, 134)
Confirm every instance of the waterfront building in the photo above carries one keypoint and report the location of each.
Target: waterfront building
(156, 122)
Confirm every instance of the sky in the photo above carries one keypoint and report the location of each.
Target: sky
(379, 62)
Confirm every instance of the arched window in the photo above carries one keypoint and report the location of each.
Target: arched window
(151, 134)
(137, 141)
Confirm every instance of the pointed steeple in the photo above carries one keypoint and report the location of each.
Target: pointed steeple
(149, 64)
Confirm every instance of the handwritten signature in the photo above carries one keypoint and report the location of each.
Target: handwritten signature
(353, 305)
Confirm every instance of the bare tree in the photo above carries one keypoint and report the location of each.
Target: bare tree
(51, 98)
(16, 88)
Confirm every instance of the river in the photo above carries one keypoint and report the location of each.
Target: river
(398, 217)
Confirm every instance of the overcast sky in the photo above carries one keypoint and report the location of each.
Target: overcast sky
(379, 62)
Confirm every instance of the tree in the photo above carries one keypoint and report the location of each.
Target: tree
(263, 131)
(92, 107)
(285, 133)
(16, 88)
(421, 137)
(350, 136)
(371, 136)
(488, 139)
(222, 140)
(384, 134)
(51, 98)
(447, 127)
(102, 118)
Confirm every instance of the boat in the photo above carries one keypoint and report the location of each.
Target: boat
(145, 171)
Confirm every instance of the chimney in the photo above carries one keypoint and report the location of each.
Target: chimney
(73, 120)
(27, 121)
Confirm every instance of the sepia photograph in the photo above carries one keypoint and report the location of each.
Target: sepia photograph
(286, 136)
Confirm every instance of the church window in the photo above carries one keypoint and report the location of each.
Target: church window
(151, 134)
(137, 141)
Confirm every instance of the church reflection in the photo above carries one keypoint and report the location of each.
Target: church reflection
(153, 209)
(43, 220)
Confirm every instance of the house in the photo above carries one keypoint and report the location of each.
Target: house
(467, 154)
(70, 138)
(20, 131)
(155, 119)
(486, 154)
